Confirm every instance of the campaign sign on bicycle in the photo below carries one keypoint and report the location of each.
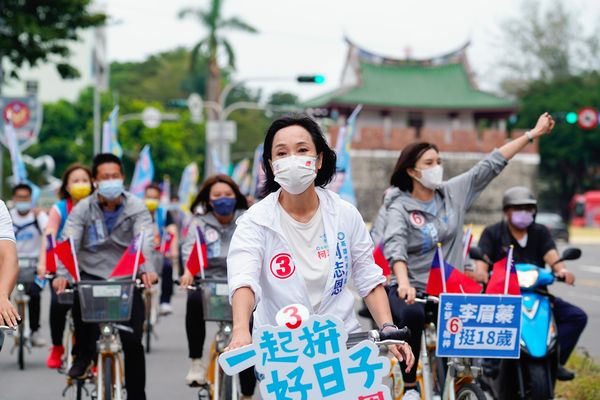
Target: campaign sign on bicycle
(309, 360)
(482, 326)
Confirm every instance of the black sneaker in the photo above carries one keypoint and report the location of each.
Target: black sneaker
(563, 374)
(80, 368)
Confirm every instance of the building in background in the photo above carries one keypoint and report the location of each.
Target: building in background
(408, 100)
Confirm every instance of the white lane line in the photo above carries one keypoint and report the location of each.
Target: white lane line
(590, 268)
(592, 297)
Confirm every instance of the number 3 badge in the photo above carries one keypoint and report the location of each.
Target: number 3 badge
(282, 266)
(292, 316)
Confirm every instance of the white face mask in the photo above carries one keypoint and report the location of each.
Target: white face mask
(295, 173)
(431, 178)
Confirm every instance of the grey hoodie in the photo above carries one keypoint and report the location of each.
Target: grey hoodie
(217, 238)
(411, 234)
(98, 251)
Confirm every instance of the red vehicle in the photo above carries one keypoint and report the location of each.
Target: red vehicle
(585, 209)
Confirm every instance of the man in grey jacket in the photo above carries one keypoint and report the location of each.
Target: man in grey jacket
(102, 227)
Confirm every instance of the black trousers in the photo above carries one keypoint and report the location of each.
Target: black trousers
(413, 316)
(33, 291)
(58, 318)
(87, 334)
(166, 281)
(195, 327)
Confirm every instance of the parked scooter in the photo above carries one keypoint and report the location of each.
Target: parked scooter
(533, 376)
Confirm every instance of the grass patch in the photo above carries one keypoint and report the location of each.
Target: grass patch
(586, 384)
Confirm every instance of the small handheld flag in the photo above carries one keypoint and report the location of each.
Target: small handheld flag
(198, 260)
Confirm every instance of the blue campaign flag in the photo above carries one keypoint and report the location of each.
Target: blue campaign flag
(479, 326)
(110, 137)
(187, 185)
(143, 174)
(342, 183)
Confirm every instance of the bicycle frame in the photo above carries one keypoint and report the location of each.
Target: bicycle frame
(214, 371)
(110, 350)
(22, 338)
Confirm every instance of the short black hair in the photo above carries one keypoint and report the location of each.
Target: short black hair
(327, 171)
(153, 186)
(105, 158)
(408, 159)
(22, 186)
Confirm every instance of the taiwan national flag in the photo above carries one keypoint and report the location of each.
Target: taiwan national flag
(50, 255)
(198, 260)
(381, 261)
(130, 260)
(504, 278)
(455, 281)
(66, 254)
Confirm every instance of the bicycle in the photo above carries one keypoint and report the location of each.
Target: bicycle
(151, 316)
(215, 296)
(3, 330)
(107, 303)
(26, 277)
(455, 379)
(77, 385)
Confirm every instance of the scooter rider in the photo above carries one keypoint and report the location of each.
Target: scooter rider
(533, 244)
(102, 227)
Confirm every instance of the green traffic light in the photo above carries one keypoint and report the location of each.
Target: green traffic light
(571, 117)
(319, 79)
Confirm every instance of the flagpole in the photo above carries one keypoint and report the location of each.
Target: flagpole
(442, 266)
(137, 255)
(509, 260)
(467, 244)
(199, 251)
(74, 258)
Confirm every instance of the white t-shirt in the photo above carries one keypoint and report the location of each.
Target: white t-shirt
(29, 237)
(311, 253)
(6, 226)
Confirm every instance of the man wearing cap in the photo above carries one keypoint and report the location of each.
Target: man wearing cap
(533, 244)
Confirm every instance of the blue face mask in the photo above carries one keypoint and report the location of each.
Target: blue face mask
(224, 205)
(111, 189)
(23, 207)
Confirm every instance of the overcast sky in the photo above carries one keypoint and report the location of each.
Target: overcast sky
(306, 36)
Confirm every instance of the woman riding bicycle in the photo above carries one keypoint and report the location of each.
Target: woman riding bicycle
(421, 211)
(76, 185)
(286, 247)
(9, 268)
(220, 203)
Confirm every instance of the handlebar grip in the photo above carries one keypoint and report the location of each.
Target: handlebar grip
(560, 278)
(403, 334)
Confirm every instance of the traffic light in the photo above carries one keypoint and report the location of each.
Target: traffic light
(571, 118)
(318, 79)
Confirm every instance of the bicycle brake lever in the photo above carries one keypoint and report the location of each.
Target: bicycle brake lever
(123, 328)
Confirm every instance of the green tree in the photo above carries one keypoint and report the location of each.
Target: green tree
(32, 32)
(215, 42)
(545, 44)
(283, 99)
(569, 155)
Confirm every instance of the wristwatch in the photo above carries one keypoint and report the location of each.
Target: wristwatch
(529, 136)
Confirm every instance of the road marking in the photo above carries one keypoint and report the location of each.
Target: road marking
(590, 268)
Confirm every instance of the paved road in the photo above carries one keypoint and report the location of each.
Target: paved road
(168, 363)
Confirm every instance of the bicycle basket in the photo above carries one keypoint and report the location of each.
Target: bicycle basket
(215, 296)
(65, 298)
(106, 301)
(27, 270)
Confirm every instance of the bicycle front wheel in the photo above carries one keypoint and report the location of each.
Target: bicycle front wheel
(226, 387)
(21, 351)
(470, 391)
(107, 384)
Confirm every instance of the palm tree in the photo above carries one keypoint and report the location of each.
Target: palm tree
(214, 21)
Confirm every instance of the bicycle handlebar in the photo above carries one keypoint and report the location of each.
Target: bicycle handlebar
(398, 336)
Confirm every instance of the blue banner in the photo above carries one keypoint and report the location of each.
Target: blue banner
(110, 139)
(481, 326)
(143, 174)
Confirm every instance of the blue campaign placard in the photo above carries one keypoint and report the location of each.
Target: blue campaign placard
(480, 326)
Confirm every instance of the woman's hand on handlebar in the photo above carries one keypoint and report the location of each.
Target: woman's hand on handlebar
(186, 279)
(566, 275)
(59, 285)
(403, 352)
(407, 293)
(8, 314)
(239, 338)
